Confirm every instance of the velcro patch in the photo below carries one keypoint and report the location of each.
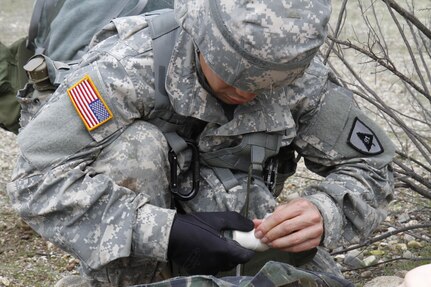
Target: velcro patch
(89, 104)
(363, 139)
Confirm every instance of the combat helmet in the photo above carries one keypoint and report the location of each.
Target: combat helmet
(256, 45)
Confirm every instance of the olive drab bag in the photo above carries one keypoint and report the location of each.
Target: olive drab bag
(12, 78)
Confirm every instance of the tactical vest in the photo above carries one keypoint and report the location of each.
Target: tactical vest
(256, 152)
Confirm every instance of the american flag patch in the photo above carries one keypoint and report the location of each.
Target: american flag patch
(89, 104)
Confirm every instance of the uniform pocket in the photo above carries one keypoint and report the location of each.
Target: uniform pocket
(31, 101)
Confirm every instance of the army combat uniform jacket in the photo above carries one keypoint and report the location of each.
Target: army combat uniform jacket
(62, 187)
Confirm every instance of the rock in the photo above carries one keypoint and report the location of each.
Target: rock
(383, 245)
(407, 254)
(339, 257)
(390, 229)
(71, 265)
(356, 253)
(366, 274)
(401, 246)
(408, 237)
(377, 252)
(50, 246)
(370, 260)
(385, 281)
(4, 281)
(394, 238)
(353, 262)
(412, 222)
(403, 218)
(401, 273)
(413, 244)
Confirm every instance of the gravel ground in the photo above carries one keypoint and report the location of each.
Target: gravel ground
(28, 260)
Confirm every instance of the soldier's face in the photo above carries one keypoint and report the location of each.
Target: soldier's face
(224, 92)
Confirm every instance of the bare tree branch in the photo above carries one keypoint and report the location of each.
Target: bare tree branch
(409, 48)
(386, 262)
(337, 30)
(405, 156)
(383, 63)
(381, 237)
(422, 191)
(415, 21)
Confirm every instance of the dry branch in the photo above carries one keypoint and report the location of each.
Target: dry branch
(384, 63)
(381, 237)
(409, 16)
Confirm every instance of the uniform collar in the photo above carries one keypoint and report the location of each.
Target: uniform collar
(186, 94)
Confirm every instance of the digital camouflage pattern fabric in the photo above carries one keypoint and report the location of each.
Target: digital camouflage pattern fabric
(103, 195)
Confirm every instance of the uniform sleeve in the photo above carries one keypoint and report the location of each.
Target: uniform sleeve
(57, 190)
(353, 155)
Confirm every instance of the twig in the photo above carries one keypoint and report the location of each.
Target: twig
(424, 64)
(409, 17)
(419, 237)
(380, 108)
(422, 191)
(387, 261)
(409, 48)
(337, 30)
(381, 237)
(413, 160)
(382, 62)
(380, 30)
(412, 174)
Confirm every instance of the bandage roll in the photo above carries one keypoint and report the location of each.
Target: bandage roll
(249, 241)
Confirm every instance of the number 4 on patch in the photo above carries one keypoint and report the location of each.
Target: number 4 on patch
(363, 139)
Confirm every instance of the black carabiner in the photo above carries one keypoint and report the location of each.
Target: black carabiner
(174, 186)
(270, 174)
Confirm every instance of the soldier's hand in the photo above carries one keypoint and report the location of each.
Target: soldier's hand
(296, 226)
(197, 244)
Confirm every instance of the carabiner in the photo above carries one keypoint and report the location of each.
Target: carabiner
(174, 186)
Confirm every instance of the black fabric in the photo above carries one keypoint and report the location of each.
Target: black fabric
(197, 245)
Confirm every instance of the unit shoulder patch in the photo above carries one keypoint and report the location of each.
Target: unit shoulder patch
(363, 139)
(89, 104)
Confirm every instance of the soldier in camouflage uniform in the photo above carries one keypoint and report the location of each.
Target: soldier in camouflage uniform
(244, 82)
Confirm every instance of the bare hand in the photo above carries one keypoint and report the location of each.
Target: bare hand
(295, 226)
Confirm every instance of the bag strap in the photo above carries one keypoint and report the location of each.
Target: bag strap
(164, 31)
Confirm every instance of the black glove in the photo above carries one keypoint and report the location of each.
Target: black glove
(197, 245)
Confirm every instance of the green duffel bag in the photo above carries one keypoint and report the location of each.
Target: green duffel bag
(12, 78)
